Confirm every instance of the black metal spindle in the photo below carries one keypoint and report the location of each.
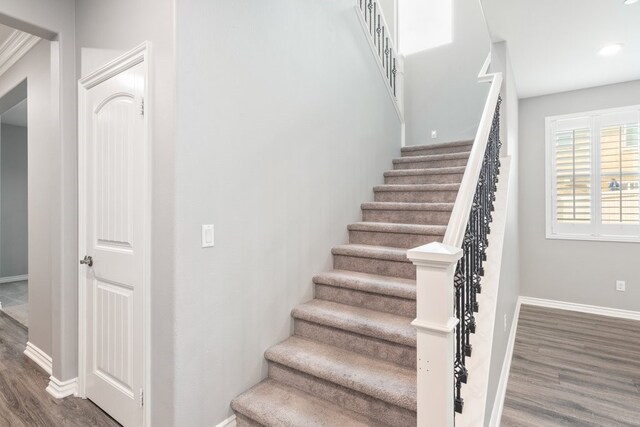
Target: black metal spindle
(370, 7)
(470, 269)
(394, 71)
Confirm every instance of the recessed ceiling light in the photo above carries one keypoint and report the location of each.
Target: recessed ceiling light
(630, 1)
(611, 49)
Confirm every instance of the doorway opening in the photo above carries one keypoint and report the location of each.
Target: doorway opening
(14, 270)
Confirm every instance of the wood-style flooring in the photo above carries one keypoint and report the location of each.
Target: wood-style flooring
(573, 369)
(23, 399)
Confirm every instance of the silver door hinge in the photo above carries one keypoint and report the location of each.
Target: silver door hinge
(141, 398)
(142, 107)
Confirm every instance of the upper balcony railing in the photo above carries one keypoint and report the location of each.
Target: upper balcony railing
(390, 63)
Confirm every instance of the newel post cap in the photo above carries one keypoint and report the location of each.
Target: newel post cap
(435, 254)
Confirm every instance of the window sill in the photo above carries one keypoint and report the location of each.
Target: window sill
(591, 238)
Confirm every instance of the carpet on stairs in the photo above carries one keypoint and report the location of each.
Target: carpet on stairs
(352, 358)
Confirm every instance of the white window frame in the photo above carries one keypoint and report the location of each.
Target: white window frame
(595, 230)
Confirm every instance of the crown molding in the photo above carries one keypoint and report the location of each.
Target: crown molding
(14, 48)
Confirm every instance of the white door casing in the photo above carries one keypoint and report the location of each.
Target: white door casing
(114, 218)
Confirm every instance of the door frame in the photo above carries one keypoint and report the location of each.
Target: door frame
(138, 55)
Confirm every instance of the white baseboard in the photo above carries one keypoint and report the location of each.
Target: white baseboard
(498, 404)
(60, 389)
(41, 358)
(10, 279)
(229, 422)
(582, 308)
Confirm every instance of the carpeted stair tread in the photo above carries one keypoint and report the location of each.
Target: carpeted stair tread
(274, 404)
(432, 157)
(373, 252)
(371, 323)
(384, 227)
(382, 380)
(392, 286)
(416, 187)
(462, 143)
(426, 171)
(399, 206)
(352, 358)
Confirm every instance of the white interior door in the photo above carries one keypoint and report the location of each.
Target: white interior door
(113, 193)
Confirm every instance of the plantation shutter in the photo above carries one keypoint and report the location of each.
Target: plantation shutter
(572, 148)
(620, 169)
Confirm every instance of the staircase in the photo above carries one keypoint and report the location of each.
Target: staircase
(352, 358)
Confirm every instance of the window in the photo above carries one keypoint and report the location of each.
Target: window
(424, 24)
(593, 175)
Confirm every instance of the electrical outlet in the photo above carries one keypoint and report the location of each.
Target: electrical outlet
(621, 285)
(505, 323)
(434, 134)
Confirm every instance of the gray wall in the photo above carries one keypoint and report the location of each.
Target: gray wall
(13, 201)
(284, 126)
(57, 125)
(104, 31)
(441, 84)
(565, 270)
(35, 68)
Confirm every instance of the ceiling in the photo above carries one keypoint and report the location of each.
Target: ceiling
(554, 44)
(16, 116)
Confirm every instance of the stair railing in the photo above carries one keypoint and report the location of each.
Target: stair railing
(448, 274)
(390, 63)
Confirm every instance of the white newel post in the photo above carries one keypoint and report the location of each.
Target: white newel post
(435, 324)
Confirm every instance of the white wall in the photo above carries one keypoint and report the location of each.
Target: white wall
(104, 31)
(390, 11)
(573, 271)
(284, 126)
(34, 67)
(13, 201)
(441, 88)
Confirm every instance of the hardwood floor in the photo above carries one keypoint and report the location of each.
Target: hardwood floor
(573, 369)
(23, 399)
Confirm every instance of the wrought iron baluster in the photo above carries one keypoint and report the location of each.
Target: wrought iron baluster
(378, 33)
(470, 268)
(394, 71)
(370, 7)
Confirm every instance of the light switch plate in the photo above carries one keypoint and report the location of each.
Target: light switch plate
(434, 134)
(207, 236)
(620, 285)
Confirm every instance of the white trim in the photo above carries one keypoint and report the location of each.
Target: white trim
(582, 308)
(115, 67)
(229, 422)
(41, 358)
(592, 238)
(436, 328)
(14, 48)
(9, 279)
(498, 404)
(61, 389)
(397, 99)
(140, 54)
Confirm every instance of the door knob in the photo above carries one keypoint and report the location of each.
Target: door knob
(88, 260)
